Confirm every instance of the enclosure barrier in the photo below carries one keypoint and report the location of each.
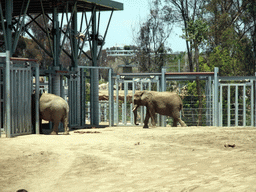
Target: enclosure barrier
(17, 94)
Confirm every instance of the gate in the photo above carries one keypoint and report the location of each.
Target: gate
(81, 99)
(126, 85)
(74, 100)
(16, 94)
(237, 103)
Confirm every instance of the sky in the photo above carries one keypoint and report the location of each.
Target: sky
(124, 22)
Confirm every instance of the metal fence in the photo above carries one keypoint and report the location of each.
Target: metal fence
(237, 104)
(16, 93)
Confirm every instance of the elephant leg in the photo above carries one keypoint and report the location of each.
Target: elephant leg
(175, 121)
(55, 128)
(182, 123)
(146, 120)
(152, 115)
(65, 124)
(176, 118)
(135, 113)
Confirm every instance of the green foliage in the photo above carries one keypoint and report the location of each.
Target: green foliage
(197, 31)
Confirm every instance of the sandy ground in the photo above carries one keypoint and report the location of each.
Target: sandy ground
(131, 159)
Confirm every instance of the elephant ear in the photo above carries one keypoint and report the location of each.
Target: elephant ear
(145, 96)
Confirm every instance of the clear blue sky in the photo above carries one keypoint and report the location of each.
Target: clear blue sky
(123, 22)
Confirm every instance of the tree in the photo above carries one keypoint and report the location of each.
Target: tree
(186, 12)
(152, 37)
(230, 36)
(196, 34)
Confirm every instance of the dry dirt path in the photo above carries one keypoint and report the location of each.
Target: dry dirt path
(131, 159)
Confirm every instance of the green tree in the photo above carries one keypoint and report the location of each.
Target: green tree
(152, 38)
(196, 34)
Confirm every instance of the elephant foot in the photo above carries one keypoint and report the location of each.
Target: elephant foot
(145, 126)
(54, 133)
(66, 133)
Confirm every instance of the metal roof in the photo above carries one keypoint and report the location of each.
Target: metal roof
(48, 5)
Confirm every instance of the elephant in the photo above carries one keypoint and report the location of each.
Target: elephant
(55, 109)
(163, 103)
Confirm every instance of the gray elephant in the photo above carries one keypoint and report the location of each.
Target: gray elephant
(55, 109)
(52, 108)
(164, 103)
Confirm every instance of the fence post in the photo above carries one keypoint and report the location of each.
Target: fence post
(117, 99)
(111, 98)
(163, 88)
(216, 97)
(7, 96)
(37, 99)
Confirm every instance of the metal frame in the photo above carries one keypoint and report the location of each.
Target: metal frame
(250, 85)
(77, 95)
(58, 36)
(17, 95)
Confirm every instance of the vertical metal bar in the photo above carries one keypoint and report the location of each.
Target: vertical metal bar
(132, 106)
(15, 101)
(142, 107)
(244, 105)
(236, 106)
(1, 98)
(8, 16)
(216, 96)
(100, 112)
(12, 79)
(26, 111)
(22, 106)
(69, 100)
(125, 101)
(123, 114)
(105, 112)
(131, 115)
(163, 88)
(95, 74)
(254, 106)
(110, 99)
(37, 99)
(228, 123)
(83, 95)
(252, 103)
(158, 89)
(7, 96)
(211, 99)
(221, 107)
(73, 36)
(27, 93)
(117, 99)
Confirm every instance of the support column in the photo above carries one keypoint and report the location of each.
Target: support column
(8, 16)
(94, 75)
(56, 65)
(56, 84)
(7, 116)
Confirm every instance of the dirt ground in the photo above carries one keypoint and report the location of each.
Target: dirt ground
(131, 159)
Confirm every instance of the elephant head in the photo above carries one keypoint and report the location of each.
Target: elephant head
(140, 98)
